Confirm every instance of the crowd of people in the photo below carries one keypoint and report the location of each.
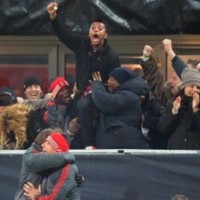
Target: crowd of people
(109, 106)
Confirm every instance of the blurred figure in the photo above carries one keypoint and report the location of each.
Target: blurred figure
(198, 67)
(173, 84)
(7, 97)
(192, 63)
(179, 197)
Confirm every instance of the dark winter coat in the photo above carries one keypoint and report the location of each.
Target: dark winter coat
(120, 115)
(179, 65)
(155, 79)
(159, 96)
(87, 61)
(183, 127)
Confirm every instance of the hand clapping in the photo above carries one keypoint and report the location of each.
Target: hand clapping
(96, 76)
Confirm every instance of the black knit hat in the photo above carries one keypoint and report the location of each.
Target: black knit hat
(122, 74)
(31, 80)
(7, 97)
(190, 76)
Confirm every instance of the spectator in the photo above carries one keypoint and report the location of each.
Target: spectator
(160, 90)
(62, 110)
(160, 93)
(13, 126)
(19, 122)
(172, 85)
(93, 54)
(120, 110)
(181, 117)
(58, 109)
(32, 88)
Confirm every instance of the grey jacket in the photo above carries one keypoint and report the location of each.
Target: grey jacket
(39, 167)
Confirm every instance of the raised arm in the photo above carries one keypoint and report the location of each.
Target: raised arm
(151, 72)
(71, 40)
(177, 63)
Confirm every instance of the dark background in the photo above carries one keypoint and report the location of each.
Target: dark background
(123, 17)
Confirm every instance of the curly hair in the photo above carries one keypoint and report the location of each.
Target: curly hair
(14, 120)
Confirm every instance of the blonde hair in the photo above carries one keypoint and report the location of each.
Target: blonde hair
(14, 119)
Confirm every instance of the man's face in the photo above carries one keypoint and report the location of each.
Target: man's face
(147, 51)
(64, 95)
(97, 34)
(33, 92)
(112, 84)
(46, 147)
(172, 82)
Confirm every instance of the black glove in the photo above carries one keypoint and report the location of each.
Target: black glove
(80, 180)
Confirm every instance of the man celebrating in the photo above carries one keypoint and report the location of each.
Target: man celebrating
(92, 54)
(58, 183)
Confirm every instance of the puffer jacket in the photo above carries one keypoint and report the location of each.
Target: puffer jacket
(120, 115)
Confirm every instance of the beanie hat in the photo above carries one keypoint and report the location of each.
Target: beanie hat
(7, 96)
(31, 80)
(58, 142)
(122, 74)
(190, 76)
(57, 84)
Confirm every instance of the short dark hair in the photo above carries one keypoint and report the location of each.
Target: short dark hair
(100, 20)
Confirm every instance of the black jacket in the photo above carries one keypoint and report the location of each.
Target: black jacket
(183, 127)
(87, 61)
